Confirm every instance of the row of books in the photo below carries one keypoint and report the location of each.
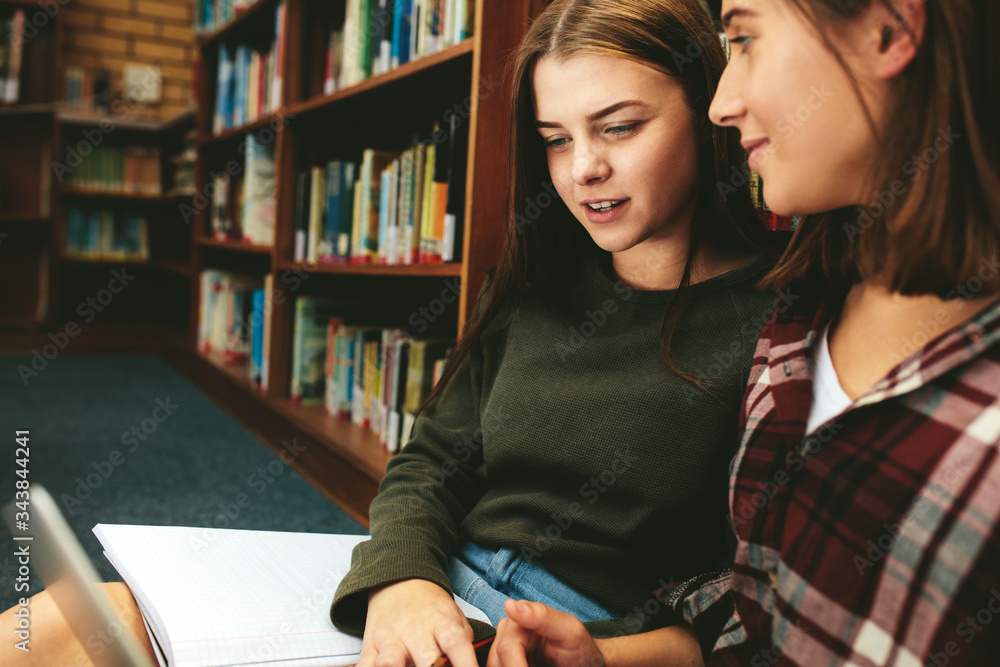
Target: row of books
(210, 15)
(11, 54)
(123, 169)
(101, 233)
(249, 82)
(243, 204)
(379, 35)
(375, 377)
(233, 320)
(389, 209)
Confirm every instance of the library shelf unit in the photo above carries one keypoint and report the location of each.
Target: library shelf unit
(158, 286)
(26, 127)
(308, 128)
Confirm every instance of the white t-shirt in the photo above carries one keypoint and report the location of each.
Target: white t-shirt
(829, 398)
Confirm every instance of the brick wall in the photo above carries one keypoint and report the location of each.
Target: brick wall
(112, 33)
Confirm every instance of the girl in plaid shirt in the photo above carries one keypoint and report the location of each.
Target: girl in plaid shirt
(865, 495)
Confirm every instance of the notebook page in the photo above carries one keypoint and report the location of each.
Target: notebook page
(236, 597)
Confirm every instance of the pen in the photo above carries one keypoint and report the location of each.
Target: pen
(443, 661)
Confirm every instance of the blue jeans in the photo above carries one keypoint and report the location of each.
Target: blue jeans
(486, 579)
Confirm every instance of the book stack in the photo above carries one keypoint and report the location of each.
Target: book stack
(11, 54)
(243, 205)
(379, 35)
(248, 81)
(228, 322)
(101, 234)
(117, 169)
(387, 208)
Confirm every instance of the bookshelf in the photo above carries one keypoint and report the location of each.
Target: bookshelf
(26, 127)
(308, 127)
(118, 169)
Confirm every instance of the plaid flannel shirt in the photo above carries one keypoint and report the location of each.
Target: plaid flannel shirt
(874, 539)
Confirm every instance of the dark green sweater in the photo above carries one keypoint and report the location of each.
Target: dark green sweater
(565, 435)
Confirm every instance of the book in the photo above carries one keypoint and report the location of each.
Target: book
(259, 192)
(312, 316)
(238, 597)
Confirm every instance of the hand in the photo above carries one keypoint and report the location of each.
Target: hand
(537, 635)
(412, 622)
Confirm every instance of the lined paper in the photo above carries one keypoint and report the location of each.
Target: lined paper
(236, 597)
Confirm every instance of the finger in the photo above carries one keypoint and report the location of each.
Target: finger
(368, 655)
(553, 625)
(511, 646)
(513, 651)
(391, 654)
(456, 643)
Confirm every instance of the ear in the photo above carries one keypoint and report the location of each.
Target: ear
(900, 25)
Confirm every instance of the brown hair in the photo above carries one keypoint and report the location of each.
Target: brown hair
(676, 37)
(941, 150)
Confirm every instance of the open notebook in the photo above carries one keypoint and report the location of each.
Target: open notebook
(238, 597)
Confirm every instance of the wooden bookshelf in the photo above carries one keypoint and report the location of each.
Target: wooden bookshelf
(384, 112)
(26, 152)
(152, 298)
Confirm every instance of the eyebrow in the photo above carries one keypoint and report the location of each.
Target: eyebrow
(597, 115)
(734, 13)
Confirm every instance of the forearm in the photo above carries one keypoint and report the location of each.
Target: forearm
(675, 646)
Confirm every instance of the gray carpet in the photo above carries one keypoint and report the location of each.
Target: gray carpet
(187, 469)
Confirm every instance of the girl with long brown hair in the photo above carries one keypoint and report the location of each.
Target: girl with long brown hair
(575, 452)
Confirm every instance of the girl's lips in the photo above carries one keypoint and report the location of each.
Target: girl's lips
(756, 155)
(612, 214)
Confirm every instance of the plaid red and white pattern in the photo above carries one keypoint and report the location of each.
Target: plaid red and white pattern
(873, 540)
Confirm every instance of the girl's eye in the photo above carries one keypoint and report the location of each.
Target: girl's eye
(744, 40)
(558, 142)
(622, 130)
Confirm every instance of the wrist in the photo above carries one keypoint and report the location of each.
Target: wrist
(606, 651)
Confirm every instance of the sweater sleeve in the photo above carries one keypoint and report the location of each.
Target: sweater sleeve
(427, 491)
